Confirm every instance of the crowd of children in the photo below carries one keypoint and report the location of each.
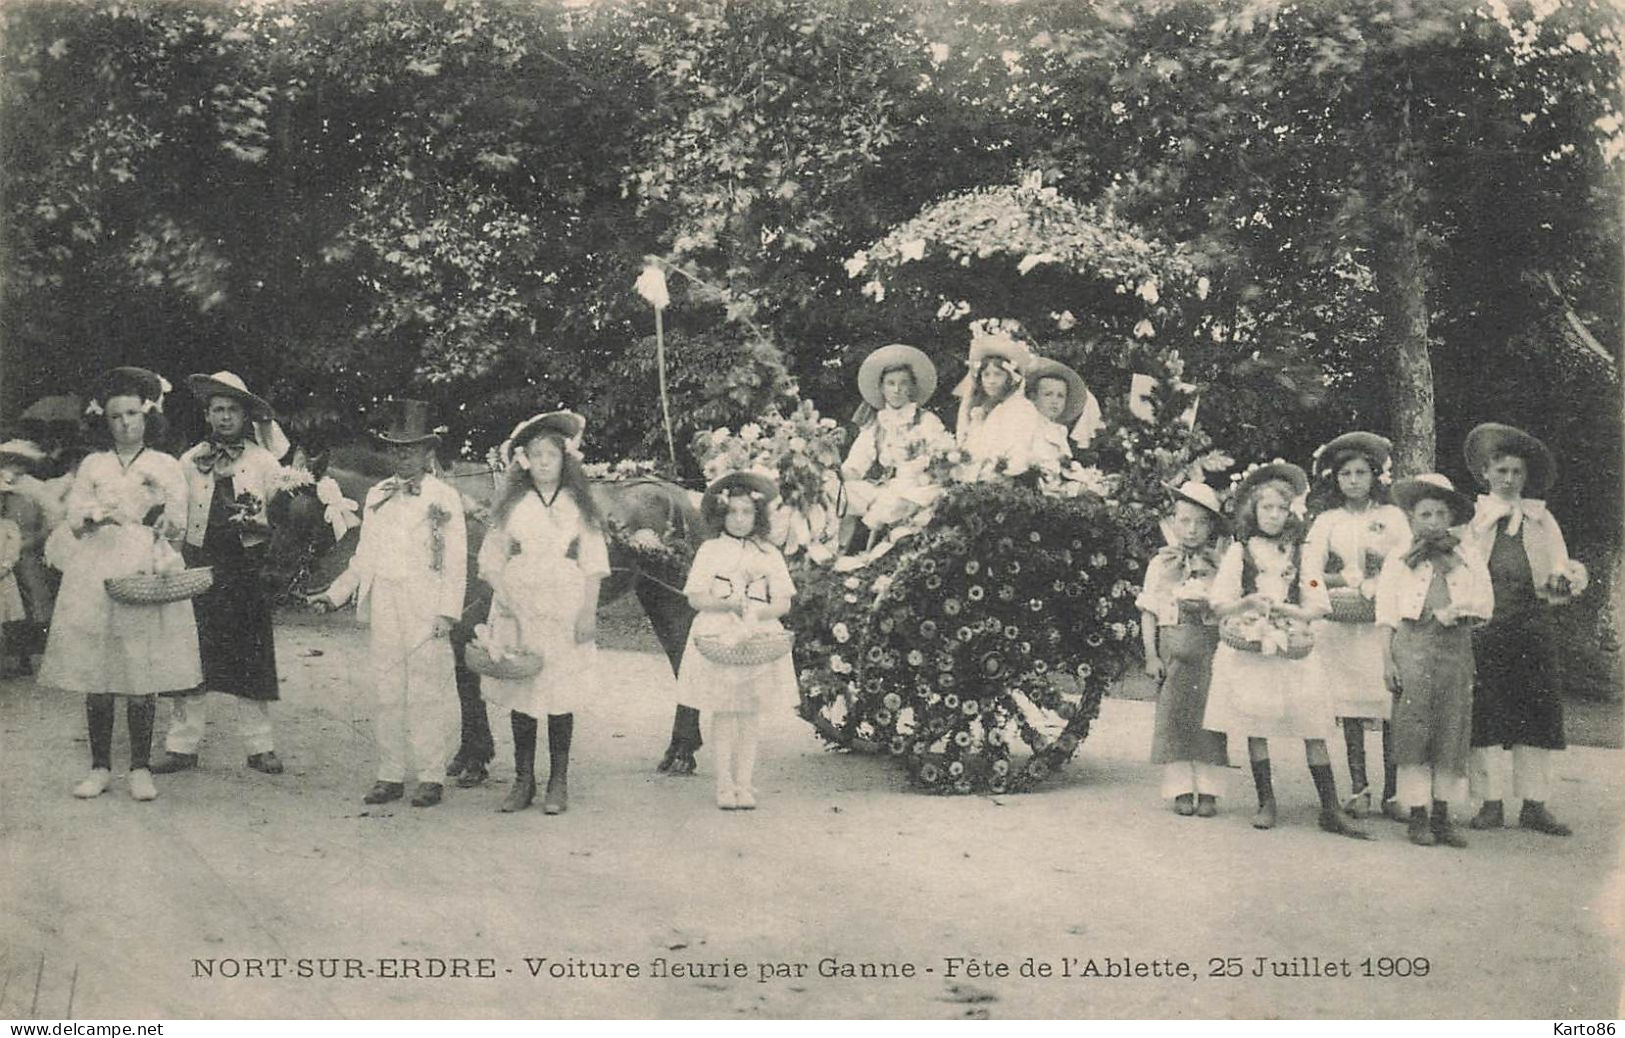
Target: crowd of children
(1411, 611)
(1440, 635)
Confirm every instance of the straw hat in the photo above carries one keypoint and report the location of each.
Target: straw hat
(24, 454)
(1077, 392)
(1282, 470)
(1199, 494)
(887, 358)
(568, 425)
(1378, 448)
(228, 384)
(1407, 492)
(1492, 438)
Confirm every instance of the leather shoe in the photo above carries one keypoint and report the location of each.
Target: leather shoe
(1535, 816)
(384, 792)
(266, 762)
(174, 762)
(428, 794)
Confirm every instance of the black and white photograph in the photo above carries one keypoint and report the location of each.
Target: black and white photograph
(811, 509)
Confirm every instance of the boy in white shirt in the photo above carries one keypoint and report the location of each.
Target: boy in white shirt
(408, 578)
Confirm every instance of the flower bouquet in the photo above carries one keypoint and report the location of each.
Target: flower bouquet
(1268, 635)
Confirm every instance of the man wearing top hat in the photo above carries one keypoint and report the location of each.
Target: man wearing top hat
(230, 479)
(407, 578)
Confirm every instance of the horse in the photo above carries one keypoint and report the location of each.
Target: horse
(305, 555)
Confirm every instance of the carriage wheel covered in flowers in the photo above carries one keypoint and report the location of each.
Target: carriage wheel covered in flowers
(979, 656)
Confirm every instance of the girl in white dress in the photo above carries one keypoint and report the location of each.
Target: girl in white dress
(1347, 545)
(544, 558)
(1260, 695)
(998, 427)
(126, 512)
(739, 584)
(884, 473)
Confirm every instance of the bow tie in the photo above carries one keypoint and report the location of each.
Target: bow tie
(1437, 548)
(223, 453)
(1192, 562)
(395, 486)
(1492, 509)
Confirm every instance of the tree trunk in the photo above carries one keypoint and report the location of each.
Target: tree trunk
(1402, 285)
(1401, 278)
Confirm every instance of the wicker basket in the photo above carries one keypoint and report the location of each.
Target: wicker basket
(1300, 643)
(763, 647)
(517, 667)
(1351, 607)
(159, 588)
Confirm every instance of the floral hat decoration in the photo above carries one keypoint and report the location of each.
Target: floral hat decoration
(759, 485)
(566, 424)
(149, 385)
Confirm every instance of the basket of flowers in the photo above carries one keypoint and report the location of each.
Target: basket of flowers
(751, 650)
(157, 588)
(1351, 606)
(511, 665)
(1267, 635)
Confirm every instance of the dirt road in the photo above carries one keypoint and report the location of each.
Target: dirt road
(125, 908)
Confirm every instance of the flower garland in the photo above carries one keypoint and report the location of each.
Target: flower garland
(1003, 625)
(438, 518)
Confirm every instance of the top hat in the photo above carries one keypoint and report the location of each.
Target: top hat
(889, 358)
(228, 384)
(1492, 438)
(408, 423)
(1377, 448)
(1407, 492)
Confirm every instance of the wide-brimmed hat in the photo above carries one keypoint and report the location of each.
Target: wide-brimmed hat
(887, 358)
(408, 423)
(1378, 448)
(1492, 439)
(23, 453)
(567, 424)
(1407, 492)
(1282, 470)
(1077, 391)
(149, 385)
(1199, 494)
(59, 408)
(228, 384)
(755, 483)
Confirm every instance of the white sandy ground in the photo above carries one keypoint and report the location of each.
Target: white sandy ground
(112, 901)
